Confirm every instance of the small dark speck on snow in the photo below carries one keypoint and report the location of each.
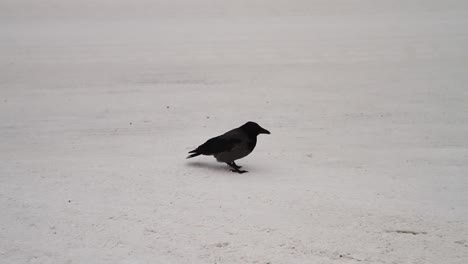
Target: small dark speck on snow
(223, 244)
(407, 232)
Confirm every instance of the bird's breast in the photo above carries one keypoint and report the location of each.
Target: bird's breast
(251, 144)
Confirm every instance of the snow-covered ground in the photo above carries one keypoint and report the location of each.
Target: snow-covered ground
(367, 102)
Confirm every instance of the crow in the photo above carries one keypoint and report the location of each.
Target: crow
(232, 145)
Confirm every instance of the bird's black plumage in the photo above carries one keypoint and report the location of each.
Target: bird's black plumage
(232, 145)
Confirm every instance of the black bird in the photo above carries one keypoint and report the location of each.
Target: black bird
(232, 145)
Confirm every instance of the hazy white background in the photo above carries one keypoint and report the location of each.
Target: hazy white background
(367, 102)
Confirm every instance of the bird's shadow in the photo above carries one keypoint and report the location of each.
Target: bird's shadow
(212, 166)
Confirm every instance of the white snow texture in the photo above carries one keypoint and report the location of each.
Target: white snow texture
(101, 100)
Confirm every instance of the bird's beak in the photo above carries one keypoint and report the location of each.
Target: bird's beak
(264, 131)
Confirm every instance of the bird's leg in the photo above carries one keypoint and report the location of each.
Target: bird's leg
(235, 168)
(235, 165)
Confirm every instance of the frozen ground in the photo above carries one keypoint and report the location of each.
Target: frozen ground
(366, 101)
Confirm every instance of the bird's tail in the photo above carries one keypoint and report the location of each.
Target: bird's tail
(193, 153)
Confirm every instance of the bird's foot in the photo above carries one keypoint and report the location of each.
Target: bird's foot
(239, 171)
(234, 165)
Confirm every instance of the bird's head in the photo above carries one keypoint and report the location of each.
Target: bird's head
(253, 128)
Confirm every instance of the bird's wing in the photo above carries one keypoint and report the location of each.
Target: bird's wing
(218, 144)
